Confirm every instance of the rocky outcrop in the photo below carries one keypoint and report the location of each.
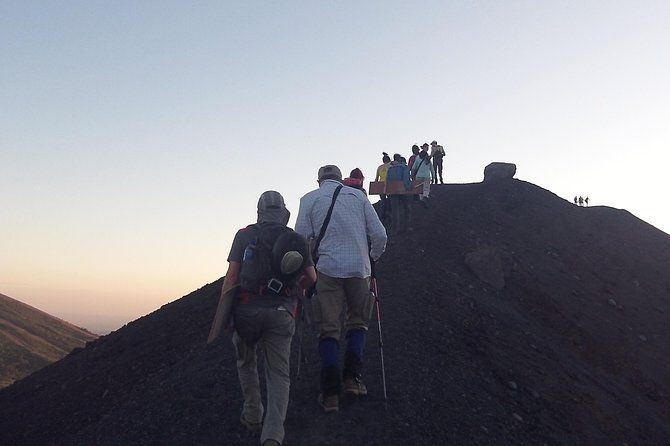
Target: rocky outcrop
(499, 171)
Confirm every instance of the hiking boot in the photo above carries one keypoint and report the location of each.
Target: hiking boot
(330, 403)
(270, 442)
(354, 386)
(253, 427)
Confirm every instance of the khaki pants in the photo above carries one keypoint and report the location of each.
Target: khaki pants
(273, 329)
(425, 192)
(335, 295)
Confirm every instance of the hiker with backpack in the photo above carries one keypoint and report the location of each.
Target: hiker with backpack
(268, 267)
(400, 210)
(341, 220)
(437, 154)
(422, 170)
(381, 176)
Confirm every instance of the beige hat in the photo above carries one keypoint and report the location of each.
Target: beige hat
(330, 172)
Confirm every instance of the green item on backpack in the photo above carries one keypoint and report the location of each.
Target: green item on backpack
(273, 260)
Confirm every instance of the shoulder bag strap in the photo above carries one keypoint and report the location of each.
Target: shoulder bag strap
(325, 223)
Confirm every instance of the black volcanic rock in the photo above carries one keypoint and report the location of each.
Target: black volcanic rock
(581, 373)
(499, 171)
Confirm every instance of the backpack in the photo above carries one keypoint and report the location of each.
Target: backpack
(262, 261)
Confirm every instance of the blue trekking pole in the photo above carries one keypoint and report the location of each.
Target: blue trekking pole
(375, 293)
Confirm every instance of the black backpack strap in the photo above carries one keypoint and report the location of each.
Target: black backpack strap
(324, 226)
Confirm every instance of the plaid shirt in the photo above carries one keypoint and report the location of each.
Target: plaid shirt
(344, 250)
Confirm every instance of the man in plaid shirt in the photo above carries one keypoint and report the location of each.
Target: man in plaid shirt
(353, 236)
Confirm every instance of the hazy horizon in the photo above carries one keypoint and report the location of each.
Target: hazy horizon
(136, 138)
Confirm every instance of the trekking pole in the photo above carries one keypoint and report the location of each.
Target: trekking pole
(375, 290)
(301, 329)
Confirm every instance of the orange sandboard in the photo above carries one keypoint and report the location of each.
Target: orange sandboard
(394, 188)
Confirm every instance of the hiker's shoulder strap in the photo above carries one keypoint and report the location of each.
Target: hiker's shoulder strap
(324, 226)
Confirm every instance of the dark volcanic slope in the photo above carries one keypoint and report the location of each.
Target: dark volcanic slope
(31, 339)
(572, 350)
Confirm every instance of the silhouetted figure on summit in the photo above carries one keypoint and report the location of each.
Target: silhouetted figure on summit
(415, 153)
(436, 154)
(423, 172)
(581, 201)
(575, 199)
(381, 176)
(586, 201)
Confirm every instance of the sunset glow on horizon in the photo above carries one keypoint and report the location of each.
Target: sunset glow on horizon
(137, 137)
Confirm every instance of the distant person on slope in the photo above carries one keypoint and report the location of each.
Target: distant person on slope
(415, 153)
(586, 201)
(400, 210)
(436, 155)
(381, 176)
(265, 262)
(424, 148)
(576, 202)
(423, 172)
(581, 201)
(355, 180)
(383, 168)
(343, 263)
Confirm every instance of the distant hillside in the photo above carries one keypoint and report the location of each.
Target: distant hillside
(31, 339)
(510, 317)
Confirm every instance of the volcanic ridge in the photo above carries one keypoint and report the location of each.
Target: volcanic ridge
(509, 316)
(31, 339)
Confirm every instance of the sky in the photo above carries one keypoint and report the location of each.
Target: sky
(136, 137)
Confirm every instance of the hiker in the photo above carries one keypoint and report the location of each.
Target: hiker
(423, 172)
(342, 256)
(436, 154)
(355, 180)
(586, 201)
(415, 153)
(383, 168)
(581, 201)
(265, 310)
(381, 176)
(400, 210)
(575, 199)
(424, 148)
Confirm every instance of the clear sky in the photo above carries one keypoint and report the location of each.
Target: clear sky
(136, 137)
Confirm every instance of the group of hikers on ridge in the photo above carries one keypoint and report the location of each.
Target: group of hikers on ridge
(330, 256)
(581, 201)
(423, 167)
